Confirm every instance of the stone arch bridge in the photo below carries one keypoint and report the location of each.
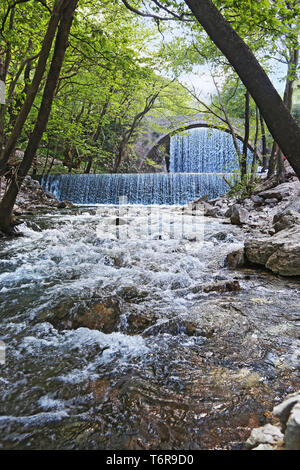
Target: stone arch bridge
(157, 133)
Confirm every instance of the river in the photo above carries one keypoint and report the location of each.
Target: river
(121, 336)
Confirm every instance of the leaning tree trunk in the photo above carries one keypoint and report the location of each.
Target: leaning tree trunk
(281, 124)
(61, 43)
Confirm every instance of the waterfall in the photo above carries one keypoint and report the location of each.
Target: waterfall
(203, 151)
(198, 161)
(158, 188)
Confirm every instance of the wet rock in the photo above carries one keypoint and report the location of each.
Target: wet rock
(61, 205)
(279, 253)
(33, 226)
(96, 315)
(140, 321)
(268, 434)
(236, 259)
(65, 205)
(222, 286)
(132, 294)
(239, 215)
(104, 317)
(174, 327)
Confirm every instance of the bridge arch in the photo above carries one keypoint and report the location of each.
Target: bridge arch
(153, 140)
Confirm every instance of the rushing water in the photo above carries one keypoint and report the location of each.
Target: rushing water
(113, 342)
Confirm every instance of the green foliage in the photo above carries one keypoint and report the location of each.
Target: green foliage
(242, 188)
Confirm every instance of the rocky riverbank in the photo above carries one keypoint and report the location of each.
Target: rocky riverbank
(32, 200)
(270, 220)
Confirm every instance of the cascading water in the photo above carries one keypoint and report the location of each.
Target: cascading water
(160, 188)
(197, 164)
(203, 151)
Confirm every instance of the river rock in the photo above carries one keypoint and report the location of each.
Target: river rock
(279, 253)
(257, 199)
(239, 215)
(292, 433)
(132, 294)
(222, 286)
(211, 211)
(285, 435)
(236, 259)
(283, 410)
(268, 434)
(49, 195)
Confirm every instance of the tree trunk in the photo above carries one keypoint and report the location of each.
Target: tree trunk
(247, 134)
(271, 169)
(291, 78)
(33, 89)
(61, 43)
(281, 124)
(263, 142)
(4, 65)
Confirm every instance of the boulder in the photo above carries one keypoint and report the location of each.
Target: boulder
(257, 199)
(292, 433)
(283, 410)
(278, 192)
(294, 205)
(236, 259)
(239, 215)
(211, 211)
(285, 435)
(268, 434)
(286, 219)
(279, 253)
